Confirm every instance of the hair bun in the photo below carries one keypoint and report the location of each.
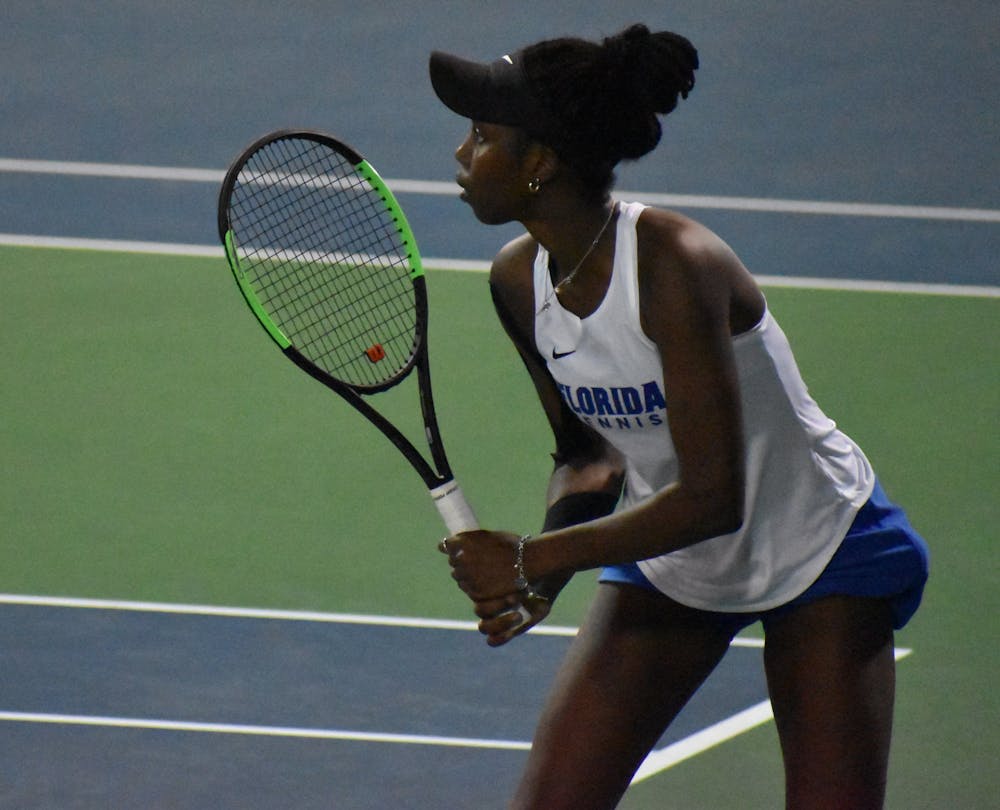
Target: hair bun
(605, 97)
(623, 47)
(653, 69)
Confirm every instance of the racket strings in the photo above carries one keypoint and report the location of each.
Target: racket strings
(324, 255)
(358, 230)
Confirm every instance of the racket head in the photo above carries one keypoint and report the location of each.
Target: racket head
(325, 258)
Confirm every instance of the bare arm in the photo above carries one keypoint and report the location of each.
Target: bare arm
(584, 461)
(586, 479)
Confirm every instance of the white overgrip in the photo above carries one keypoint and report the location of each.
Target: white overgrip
(454, 509)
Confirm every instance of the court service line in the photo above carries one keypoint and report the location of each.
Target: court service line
(433, 187)
(259, 731)
(223, 611)
(657, 761)
(479, 266)
(414, 622)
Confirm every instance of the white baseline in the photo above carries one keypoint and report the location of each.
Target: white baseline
(432, 187)
(479, 266)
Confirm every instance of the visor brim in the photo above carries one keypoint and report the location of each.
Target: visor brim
(494, 93)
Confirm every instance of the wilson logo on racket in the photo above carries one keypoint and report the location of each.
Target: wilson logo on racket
(375, 352)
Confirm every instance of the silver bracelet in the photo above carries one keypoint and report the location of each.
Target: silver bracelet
(520, 580)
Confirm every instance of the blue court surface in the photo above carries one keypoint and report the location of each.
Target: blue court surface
(864, 133)
(129, 705)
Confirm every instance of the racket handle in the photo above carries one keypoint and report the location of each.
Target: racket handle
(459, 517)
(454, 509)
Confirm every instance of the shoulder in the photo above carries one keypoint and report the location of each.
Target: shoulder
(683, 265)
(512, 277)
(512, 266)
(670, 239)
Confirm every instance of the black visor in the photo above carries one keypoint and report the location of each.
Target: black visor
(495, 92)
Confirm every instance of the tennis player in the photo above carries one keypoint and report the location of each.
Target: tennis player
(691, 465)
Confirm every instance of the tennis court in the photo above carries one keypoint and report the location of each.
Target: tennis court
(220, 585)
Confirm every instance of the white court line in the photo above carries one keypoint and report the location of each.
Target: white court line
(124, 171)
(657, 761)
(110, 245)
(258, 613)
(414, 622)
(432, 187)
(701, 741)
(479, 266)
(260, 731)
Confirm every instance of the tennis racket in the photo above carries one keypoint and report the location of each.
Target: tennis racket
(327, 262)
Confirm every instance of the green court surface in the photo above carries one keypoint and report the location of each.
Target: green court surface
(156, 446)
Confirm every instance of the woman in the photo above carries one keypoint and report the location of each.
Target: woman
(669, 385)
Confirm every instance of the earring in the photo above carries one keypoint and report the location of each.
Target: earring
(534, 184)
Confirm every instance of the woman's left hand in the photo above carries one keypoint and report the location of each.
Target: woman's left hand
(483, 563)
(501, 620)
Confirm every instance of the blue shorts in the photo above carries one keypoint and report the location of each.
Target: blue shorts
(880, 557)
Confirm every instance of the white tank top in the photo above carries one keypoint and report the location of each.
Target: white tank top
(805, 479)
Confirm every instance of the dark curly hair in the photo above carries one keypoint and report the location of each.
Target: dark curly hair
(607, 96)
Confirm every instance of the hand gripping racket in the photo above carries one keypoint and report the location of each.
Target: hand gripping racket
(327, 262)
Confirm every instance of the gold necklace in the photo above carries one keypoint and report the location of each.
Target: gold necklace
(572, 273)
